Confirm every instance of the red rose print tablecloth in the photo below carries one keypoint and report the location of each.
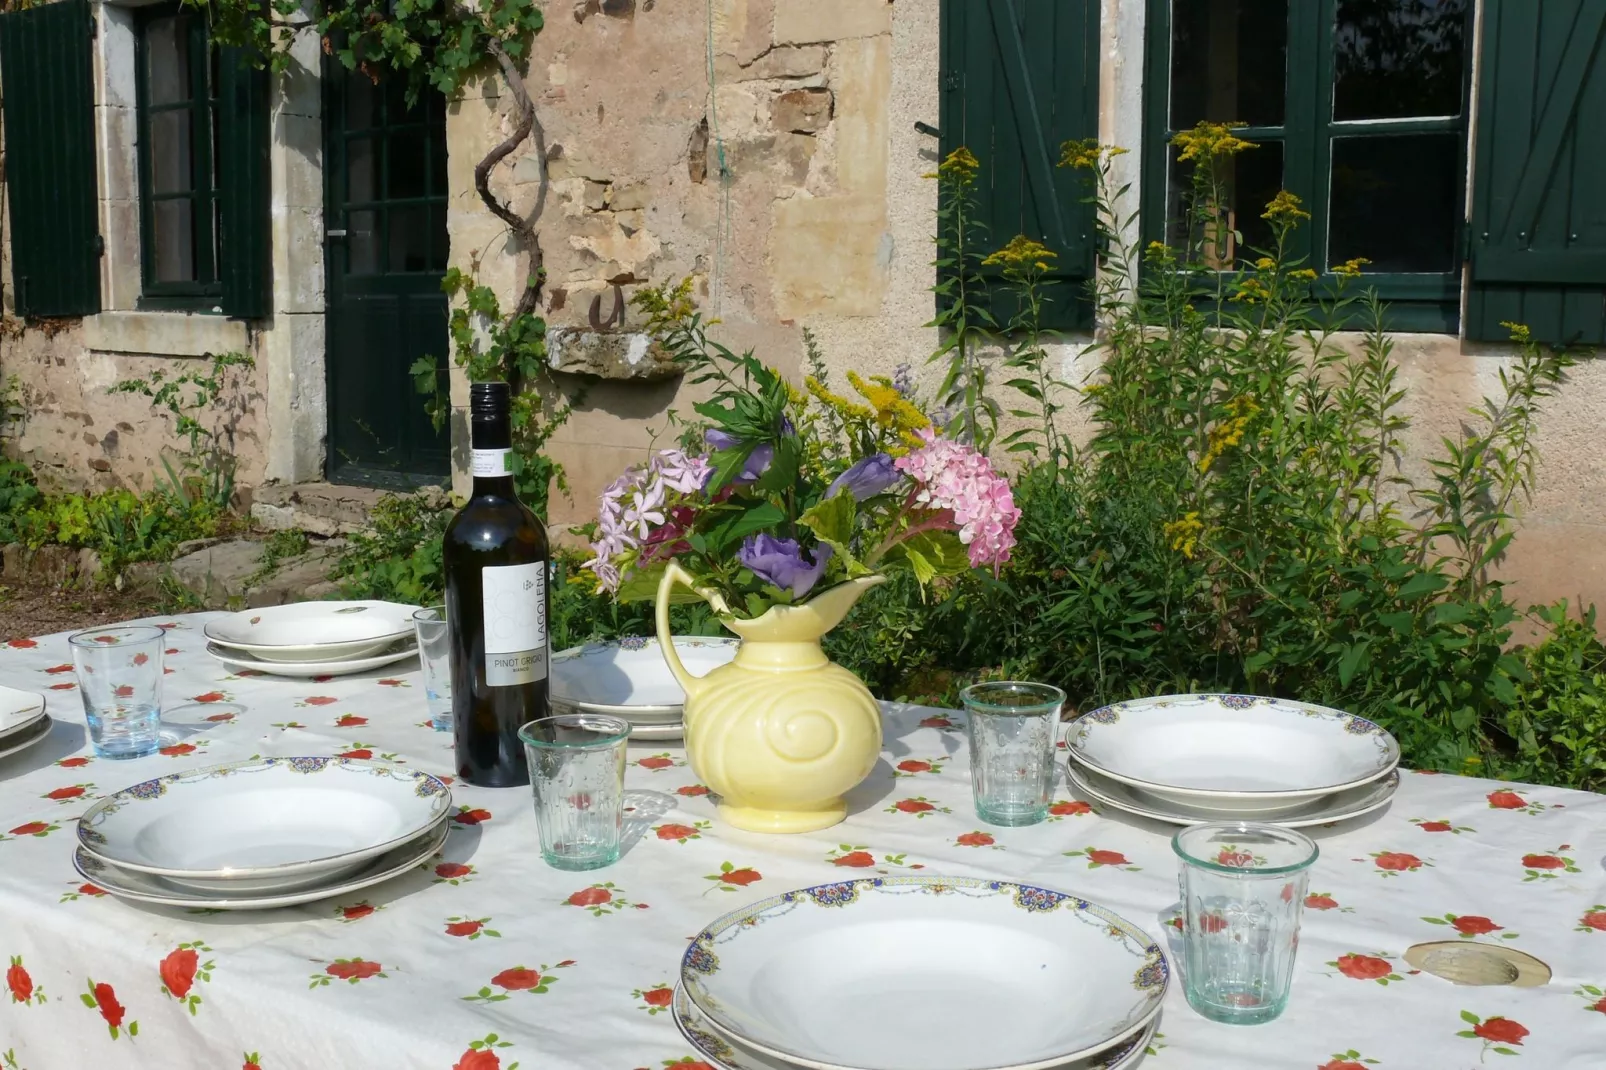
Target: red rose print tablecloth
(484, 958)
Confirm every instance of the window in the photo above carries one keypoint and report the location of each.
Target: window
(176, 81)
(1358, 106)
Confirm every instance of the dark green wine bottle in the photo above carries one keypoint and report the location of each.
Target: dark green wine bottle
(496, 559)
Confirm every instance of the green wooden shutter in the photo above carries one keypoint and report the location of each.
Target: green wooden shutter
(1539, 198)
(1019, 78)
(244, 187)
(49, 127)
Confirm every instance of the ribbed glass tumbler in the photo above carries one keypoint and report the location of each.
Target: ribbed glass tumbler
(1012, 730)
(577, 771)
(1243, 887)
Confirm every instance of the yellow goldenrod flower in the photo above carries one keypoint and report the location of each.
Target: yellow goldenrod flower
(844, 408)
(1350, 269)
(1265, 263)
(1303, 274)
(1087, 153)
(961, 166)
(1183, 535)
(1229, 432)
(1211, 141)
(1519, 331)
(1285, 206)
(1021, 254)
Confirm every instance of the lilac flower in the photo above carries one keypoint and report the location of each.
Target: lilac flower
(903, 380)
(781, 562)
(869, 477)
(757, 463)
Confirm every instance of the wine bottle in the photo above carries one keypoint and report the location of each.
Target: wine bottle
(496, 560)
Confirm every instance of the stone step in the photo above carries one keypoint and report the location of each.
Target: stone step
(320, 508)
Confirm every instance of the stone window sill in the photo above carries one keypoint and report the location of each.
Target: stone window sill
(164, 334)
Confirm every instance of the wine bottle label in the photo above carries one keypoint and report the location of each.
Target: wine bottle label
(490, 462)
(515, 623)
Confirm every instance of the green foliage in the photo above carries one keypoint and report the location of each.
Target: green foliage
(491, 348)
(398, 558)
(962, 314)
(1557, 726)
(428, 42)
(205, 472)
(17, 496)
(119, 525)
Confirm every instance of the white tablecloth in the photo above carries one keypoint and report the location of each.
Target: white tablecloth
(486, 957)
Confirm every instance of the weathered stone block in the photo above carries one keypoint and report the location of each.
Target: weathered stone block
(825, 256)
(610, 355)
(801, 111)
(629, 198)
(801, 22)
(781, 62)
(596, 195)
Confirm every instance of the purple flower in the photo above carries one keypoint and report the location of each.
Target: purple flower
(866, 479)
(781, 562)
(757, 462)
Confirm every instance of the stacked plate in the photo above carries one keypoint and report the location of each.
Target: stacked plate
(921, 973)
(23, 721)
(629, 678)
(1190, 758)
(314, 638)
(268, 832)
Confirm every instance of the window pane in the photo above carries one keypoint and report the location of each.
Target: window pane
(410, 240)
(167, 59)
(1397, 58)
(1228, 61)
(170, 152)
(362, 243)
(1396, 201)
(407, 165)
(362, 102)
(360, 185)
(1246, 184)
(173, 229)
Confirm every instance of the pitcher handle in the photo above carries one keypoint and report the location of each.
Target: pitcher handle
(673, 574)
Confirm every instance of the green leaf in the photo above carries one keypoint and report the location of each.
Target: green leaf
(1421, 585)
(924, 570)
(1470, 1019)
(1354, 657)
(832, 519)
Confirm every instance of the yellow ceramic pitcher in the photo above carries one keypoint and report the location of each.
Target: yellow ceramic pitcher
(782, 732)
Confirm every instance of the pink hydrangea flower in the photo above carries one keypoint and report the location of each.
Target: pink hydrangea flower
(952, 476)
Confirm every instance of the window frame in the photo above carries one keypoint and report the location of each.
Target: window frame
(202, 105)
(1426, 302)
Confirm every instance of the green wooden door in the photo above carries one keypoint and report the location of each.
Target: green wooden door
(385, 211)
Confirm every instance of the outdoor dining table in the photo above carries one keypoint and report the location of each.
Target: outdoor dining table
(484, 957)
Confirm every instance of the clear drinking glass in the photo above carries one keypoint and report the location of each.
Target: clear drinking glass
(577, 770)
(120, 679)
(1012, 730)
(435, 651)
(1243, 886)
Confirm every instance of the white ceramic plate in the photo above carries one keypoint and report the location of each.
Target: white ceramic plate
(723, 1054)
(19, 710)
(263, 820)
(15, 742)
(314, 631)
(239, 659)
(1340, 806)
(629, 677)
(852, 976)
(144, 888)
(658, 733)
(1248, 754)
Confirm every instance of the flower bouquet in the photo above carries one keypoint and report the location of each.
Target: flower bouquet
(787, 492)
(780, 511)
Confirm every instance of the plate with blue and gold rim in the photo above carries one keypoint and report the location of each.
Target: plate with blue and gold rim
(857, 975)
(723, 1054)
(1243, 754)
(265, 823)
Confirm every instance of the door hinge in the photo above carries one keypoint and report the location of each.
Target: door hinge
(100, 245)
